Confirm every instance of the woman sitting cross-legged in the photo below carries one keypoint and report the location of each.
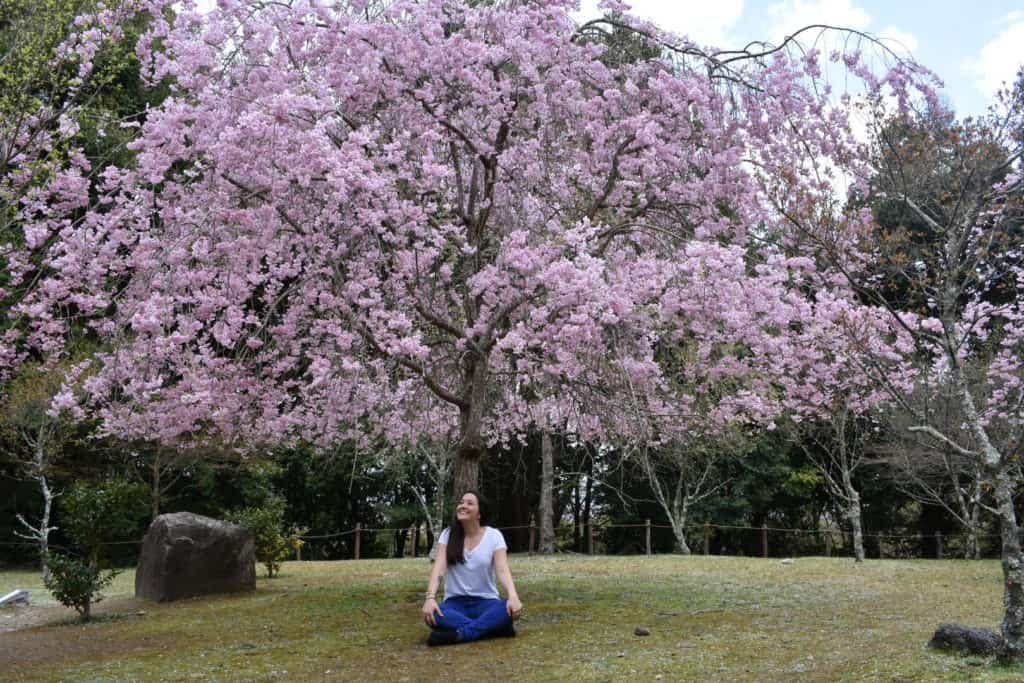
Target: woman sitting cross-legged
(470, 555)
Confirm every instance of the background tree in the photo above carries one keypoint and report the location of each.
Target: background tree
(424, 469)
(71, 92)
(97, 513)
(681, 476)
(962, 183)
(94, 515)
(35, 436)
(936, 473)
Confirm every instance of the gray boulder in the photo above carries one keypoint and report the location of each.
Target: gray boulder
(957, 638)
(184, 555)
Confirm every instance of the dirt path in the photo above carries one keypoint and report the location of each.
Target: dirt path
(23, 642)
(27, 616)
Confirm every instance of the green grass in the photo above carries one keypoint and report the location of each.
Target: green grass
(123, 585)
(711, 618)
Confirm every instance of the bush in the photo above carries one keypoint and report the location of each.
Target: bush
(273, 544)
(98, 512)
(76, 583)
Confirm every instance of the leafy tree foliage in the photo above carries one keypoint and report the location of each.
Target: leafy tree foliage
(95, 513)
(273, 543)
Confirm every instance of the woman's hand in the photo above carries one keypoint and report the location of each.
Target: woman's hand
(515, 607)
(430, 606)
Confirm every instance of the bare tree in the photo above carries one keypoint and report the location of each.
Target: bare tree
(426, 469)
(835, 444)
(36, 436)
(681, 475)
(934, 472)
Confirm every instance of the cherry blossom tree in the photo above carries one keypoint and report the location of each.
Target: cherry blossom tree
(394, 220)
(834, 399)
(369, 220)
(971, 273)
(958, 256)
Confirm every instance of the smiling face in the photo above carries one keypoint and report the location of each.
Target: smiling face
(468, 508)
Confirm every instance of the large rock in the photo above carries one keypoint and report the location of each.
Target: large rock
(185, 555)
(961, 639)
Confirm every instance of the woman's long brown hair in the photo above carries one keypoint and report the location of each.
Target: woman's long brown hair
(455, 553)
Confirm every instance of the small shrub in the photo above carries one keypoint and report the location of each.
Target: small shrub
(97, 512)
(273, 544)
(76, 583)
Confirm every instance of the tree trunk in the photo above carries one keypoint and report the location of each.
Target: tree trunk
(467, 469)
(470, 447)
(1013, 568)
(577, 514)
(853, 514)
(44, 527)
(1012, 561)
(40, 533)
(588, 501)
(973, 549)
(547, 485)
(679, 531)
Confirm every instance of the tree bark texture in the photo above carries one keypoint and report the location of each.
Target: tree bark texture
(1013, 568)
(679, 531)
(853, 514)
(471, 449)
(467, 469)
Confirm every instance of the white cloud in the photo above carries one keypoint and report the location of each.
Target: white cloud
(901, 42)
(999, 58)
(706, 23)
(789, 15)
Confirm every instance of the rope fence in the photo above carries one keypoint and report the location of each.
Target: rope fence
(884, 544)
(585, 536)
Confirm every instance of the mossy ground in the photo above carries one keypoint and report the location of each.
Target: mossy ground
(711, 618)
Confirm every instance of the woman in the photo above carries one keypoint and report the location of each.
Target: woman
(470, 555)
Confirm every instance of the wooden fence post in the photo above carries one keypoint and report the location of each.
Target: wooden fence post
(938, 544)
(533, 530)
(590, 537)
(416, 540)
(881, 550)
(764, 539)
(647, 535)
(298, 553)
(707, 538)
(358, 529)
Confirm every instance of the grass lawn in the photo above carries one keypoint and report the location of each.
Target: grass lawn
(711, 618)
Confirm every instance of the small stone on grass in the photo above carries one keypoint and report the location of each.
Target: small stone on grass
(641, 631)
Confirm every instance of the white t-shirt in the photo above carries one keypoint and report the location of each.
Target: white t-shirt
(475, 576)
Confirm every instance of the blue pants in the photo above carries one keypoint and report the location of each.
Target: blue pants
(471, 617)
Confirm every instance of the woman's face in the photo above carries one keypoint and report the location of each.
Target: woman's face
(468, 508)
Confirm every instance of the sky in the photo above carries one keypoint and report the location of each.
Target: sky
(972, 46)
